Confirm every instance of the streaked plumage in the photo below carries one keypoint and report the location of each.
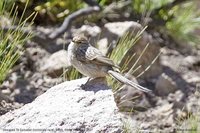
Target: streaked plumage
(91, 62)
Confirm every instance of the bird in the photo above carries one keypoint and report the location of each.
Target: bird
(91, 62)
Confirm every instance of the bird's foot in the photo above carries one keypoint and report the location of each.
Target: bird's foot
(84, 86)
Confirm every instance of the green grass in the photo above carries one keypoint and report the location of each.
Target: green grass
(190, 123)
(181, 20)
(118, 54)
(12, 41)
(73, 74)
(186, 20)
(142, 6)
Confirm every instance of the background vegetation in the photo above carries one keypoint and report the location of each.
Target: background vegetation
(11, 41)
(179, 19)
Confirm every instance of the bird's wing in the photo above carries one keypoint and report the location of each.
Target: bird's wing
(97, 57)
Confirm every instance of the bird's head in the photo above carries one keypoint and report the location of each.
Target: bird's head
(80, 40)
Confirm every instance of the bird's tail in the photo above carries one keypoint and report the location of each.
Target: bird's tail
(126, 81)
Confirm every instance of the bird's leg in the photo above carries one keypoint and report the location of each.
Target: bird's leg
(88, 80)
(83, 86)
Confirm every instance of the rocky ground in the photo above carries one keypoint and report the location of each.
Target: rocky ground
(174, 79)
(68, 108)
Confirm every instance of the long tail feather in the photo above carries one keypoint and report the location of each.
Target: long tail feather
(126, 81)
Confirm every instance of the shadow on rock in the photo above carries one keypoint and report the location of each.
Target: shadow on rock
(95, 85)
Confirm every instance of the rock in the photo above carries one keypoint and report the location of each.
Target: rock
(113, 31)
(120, 28)
(68, 108)
(6, 106)
(5, 21)
(159, 118)
(3, 96)
(190, 61)
(55, 64)
(129, 99)
(33, 56)
(103, 45)
(184, 69)
(92, 32)
(147, 58)
(172, 59)
(176, 97)
(50, 45)
(180, 114)
(193, 104)
(195, 80)
(165, 85)
(164, 110)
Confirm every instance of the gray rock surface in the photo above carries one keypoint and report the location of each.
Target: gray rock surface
(55, 64)
(165, 85)
(92, 32)
(66, 107)
(113, 31)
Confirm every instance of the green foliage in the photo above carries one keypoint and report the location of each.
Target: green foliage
(106, 2)
(5, 5)
(73, 74)
(11, 41)
(189, 124)
(124, 44)
(186, 20)
(142, 6)
(58, 8)
(127, 126)
(181, 20)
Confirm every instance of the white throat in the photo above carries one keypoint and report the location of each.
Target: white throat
(71, 50)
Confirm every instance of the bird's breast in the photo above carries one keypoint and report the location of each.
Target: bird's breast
(86, 68)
